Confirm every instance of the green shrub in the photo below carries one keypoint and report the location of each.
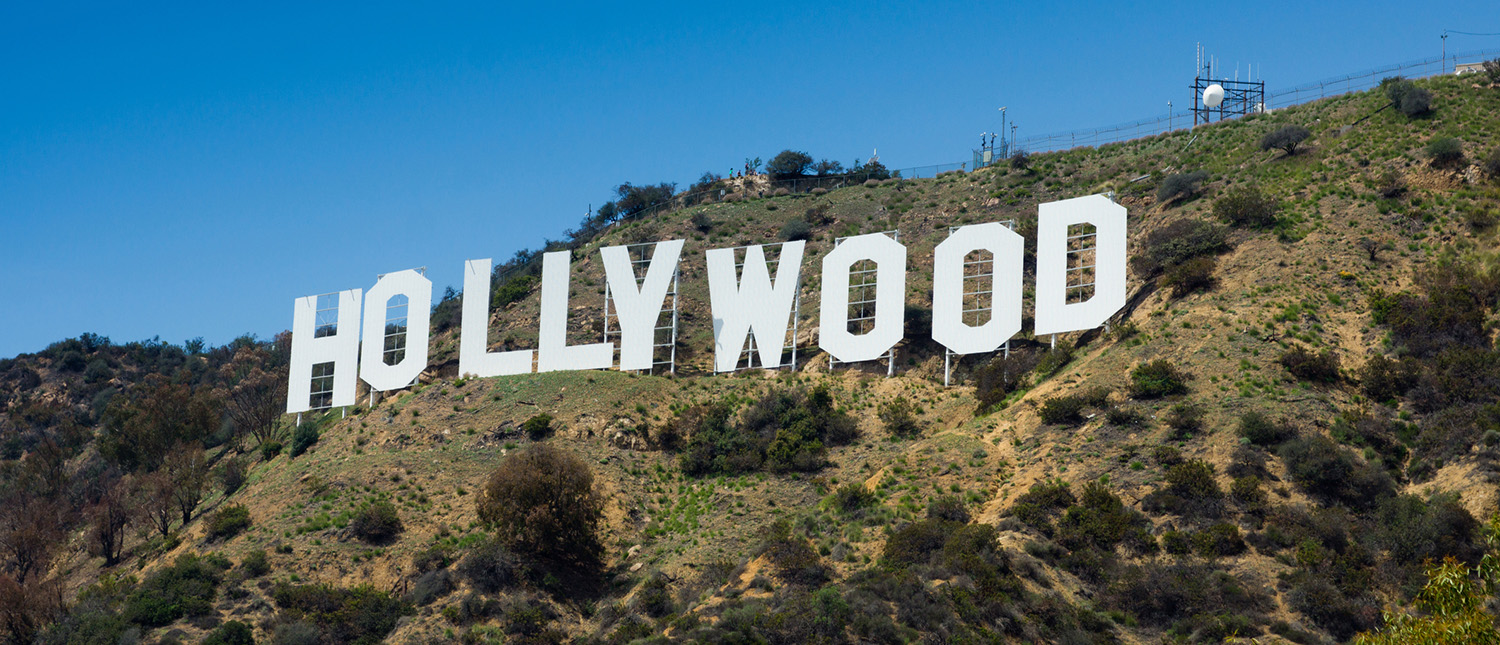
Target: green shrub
(702, 223)
(233, 632)
(1176, 542)
(1383, 379)
(269, 450)
(377, 523)
(512, 290)
(785, 430)
(538, 427)
(1322, 367)
(1179, 242)
(303, 438)
(1191, 490)
(1157, 379)
(792, 558)
(228, 522)
(1445, 152)
(1492, 164)
(949, 509)
(1219, 540)
(1124, 417)
(360, 615)
(1001, 376)
(1184, 419)
(1062, 410)
(789, 164)
(1180, 186)
(542, 501)
(1406, 97)
(186, 588)
(852, 498)
(255, 563)
(899, 418)
(491, 567)
(1325, 470)
(795, 229)
(1189, 277)
(232, 475)
(1160, 594)
(1101, 521)
(1248, 491)
(1037, 506)
(1287, 138)
(1260, 430)
(1246, 207)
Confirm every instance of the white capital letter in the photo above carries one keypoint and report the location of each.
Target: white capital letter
(948, 326)
(752, 304)
(890, 295)
(1053, 313)
(418, 292)
(338, 344)
(474, 356)
(638, 307)
(554, 354)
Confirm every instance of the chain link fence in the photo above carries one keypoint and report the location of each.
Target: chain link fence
(1183, 119)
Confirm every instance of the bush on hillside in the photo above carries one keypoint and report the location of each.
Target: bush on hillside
(538, 427)
(1445, 152)
(1191, 490)
(377, 523)
(900, 418)
(543, 503)
(1062, 410)
(186, 588)
(1179, 242)
(795, 229)
(1180, 186)
(1247, 207)
(786, 430)
(1191, 276)
(1260, 430)
(233, 632)
(491, 567)
(1321, 367)
(1330, 472)
(1492, 164)
(1157, 379)
(255, 564)
(1184, 419)
(358, 615)
(1286, 138)
(304, 438)
(228, 522)
(1406, 97)
(1020, 161)
(852, 498)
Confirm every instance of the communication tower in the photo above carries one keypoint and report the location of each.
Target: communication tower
(1219, 98)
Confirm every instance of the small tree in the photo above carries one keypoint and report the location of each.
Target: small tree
(789, 164)
(542, 502)
(1369, 246)
(189, 473)
(108, 519)
(1286, 138)
(159, 500)
(1020, 161)
(377, 523)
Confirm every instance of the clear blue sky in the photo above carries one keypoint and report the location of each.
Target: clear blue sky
(188, 170)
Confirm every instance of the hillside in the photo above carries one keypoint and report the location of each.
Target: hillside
(1291, 416)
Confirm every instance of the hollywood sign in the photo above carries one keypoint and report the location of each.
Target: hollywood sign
(753, 303)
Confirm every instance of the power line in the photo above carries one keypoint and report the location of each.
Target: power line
(1466, 33)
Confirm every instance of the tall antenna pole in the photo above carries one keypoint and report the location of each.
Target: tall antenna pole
(1444, 68)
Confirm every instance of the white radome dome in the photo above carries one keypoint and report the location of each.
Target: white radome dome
(1213, 95)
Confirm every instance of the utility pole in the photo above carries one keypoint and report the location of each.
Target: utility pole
(1004, 146)
(1169, 116)
(1444, 68)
